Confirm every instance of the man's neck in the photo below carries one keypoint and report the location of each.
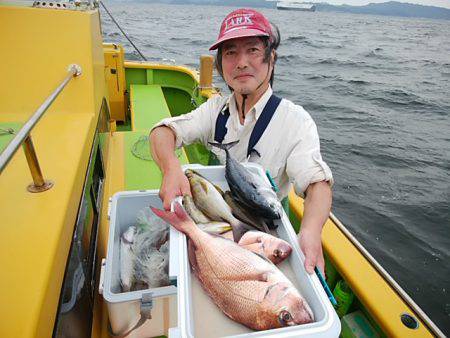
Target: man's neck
(250, 100)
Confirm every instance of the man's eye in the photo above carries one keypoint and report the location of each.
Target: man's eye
(254, 50)
(230, 52)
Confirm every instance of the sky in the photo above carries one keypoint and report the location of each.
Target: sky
(438, 3)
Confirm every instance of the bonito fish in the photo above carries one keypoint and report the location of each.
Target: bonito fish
(243, 215)
(249, 189)
(211, 203)
(246, 287)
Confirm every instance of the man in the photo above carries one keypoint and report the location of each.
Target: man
(287, 142)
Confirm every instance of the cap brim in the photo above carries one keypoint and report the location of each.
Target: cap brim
(238, 33)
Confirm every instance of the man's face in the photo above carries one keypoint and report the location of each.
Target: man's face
(243, 64)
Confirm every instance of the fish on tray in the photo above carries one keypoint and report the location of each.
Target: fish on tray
(127, 258)
(249, 189)
(209, 200)
(242, 214)
(271, 247)
(246, 287)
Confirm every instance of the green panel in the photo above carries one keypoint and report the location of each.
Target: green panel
(149, 106)
(197, 153)
(5, 137)
(142, 174)
(135, 76)
(149, 76)
(169, 78)
(294, 220)
(179, 101)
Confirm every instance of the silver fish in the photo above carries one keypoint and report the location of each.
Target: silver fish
(249, 189)
(127, 258)
(196, 215)
(210, 201)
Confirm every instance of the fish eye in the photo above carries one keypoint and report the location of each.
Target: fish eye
(285, 317)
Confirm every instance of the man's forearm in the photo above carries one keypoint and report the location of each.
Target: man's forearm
(317, 206)
(162, 147)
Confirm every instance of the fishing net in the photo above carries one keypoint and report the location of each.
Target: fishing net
(151, 248)
(141, 149)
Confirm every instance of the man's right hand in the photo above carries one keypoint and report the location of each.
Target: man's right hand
(174, 183)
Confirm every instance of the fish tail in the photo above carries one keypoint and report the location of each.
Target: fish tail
(224, 146)
(179, 219)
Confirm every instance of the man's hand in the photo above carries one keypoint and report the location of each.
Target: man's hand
(174, 183)
(311, 245)
(317, 210)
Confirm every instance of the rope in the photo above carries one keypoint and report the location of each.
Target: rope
(124, 34)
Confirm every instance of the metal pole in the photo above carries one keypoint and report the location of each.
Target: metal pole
(39, 183)
(206, 74)
(22, 134)
(402, 293)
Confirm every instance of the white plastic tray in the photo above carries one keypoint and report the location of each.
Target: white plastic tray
(199, 317)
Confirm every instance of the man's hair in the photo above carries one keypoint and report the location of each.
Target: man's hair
(271, 43)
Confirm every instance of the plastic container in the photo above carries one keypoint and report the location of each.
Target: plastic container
(344, 297)
(355, 325)
(126, 308)
(199, 317)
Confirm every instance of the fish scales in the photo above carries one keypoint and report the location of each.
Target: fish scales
(246, 287)
(222, 270)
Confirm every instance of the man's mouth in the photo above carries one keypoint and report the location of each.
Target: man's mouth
(242, 76)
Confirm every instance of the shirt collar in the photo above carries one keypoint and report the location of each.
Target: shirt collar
(257, 108)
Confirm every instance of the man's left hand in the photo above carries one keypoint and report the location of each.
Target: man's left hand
(311, 245)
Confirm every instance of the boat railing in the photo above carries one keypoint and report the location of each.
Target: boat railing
(406, 318)
(23, 137)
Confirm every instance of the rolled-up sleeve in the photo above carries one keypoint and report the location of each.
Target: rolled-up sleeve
(304, 163)
(195, 126)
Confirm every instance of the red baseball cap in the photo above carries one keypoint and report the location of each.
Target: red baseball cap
(242, 23)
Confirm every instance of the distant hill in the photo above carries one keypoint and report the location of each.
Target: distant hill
(394, 8)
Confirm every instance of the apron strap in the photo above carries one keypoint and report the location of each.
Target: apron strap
(260, 126)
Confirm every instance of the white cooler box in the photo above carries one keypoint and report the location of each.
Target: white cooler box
(197, 315)
(125, 308)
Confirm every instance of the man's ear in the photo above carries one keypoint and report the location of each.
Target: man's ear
(272, 56)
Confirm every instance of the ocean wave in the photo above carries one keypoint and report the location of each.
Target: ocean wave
(288, 58)
(296, 38)
(346, 63)
(399, 97)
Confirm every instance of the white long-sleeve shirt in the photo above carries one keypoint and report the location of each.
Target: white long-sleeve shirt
(289, 147)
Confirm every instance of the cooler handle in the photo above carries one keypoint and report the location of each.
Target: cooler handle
(174, 260)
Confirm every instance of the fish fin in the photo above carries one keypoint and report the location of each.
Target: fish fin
(250, 238)
(191, 254)
(224, 146)
(239, 229)
(270, 224)
(256, 222)
(218, 189)
(265, 226)
(261, 276)
(263, 257)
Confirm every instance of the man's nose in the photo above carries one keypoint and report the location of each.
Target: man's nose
(241, 60)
